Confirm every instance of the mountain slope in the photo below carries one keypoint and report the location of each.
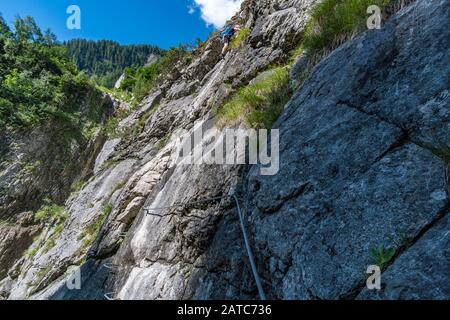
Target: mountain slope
(364, 143)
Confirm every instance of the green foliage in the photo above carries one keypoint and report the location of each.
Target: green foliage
(90, 233)
(50, 212)
(6, 223)
(109, 164)
(258, 104)
(381, 256)
(77, 185)
(31, 252)
(240, 38)
(5, 31)
(105, 60)
(33, 167)
(110, 128)
(118, 186)
(40, 275)
(34, 248)
(137, 84)
(107, 210)
(162, 143)
(51, 242)
(38, 82)
(140, 81)
(335, 21)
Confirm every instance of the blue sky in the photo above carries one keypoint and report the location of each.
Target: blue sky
(164, 23)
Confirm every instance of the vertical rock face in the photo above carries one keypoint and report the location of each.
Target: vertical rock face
(363, 148)
(366, 140)
(41, 163)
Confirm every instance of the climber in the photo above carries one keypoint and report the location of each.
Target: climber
(227, 34)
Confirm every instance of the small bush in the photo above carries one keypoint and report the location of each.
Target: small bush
(56, 233)
(162, 143)
(50, 244)
(259, 104)
(110, 128)
(33, 167)
(50, 213)
(5, 223)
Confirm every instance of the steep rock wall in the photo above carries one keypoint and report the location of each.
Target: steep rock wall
(363, 148)
(42, 162)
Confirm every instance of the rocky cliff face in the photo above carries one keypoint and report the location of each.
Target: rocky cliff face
(44, 163)
(364, 146)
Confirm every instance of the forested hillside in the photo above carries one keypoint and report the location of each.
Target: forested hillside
(105, 60)
(38, 82)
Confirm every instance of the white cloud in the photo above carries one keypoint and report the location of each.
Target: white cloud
(217, 12)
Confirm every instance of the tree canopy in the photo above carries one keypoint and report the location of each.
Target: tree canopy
(38, 82)
(105, 60)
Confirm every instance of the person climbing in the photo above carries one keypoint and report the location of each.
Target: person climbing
(227, 34)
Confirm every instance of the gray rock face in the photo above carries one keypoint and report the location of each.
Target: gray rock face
(365, 166)
(422, 271)
(36, 165)
(363, 147)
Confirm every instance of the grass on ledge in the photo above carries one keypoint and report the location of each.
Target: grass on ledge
(333, 22)
(51, 212)
(259, 104)
(91, 232)
(240, 38)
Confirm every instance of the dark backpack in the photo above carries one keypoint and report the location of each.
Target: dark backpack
(228, 32)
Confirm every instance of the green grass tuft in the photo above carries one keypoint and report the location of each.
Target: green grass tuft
(40, 275)
(50, 212)
(31, 252)
(333, 22)
(33, 167)
(119, 186)
(91, 232)
(77, 185)
(162, 143)
(51, 242)
(259, 104)
(240, 38)
(6, 223)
